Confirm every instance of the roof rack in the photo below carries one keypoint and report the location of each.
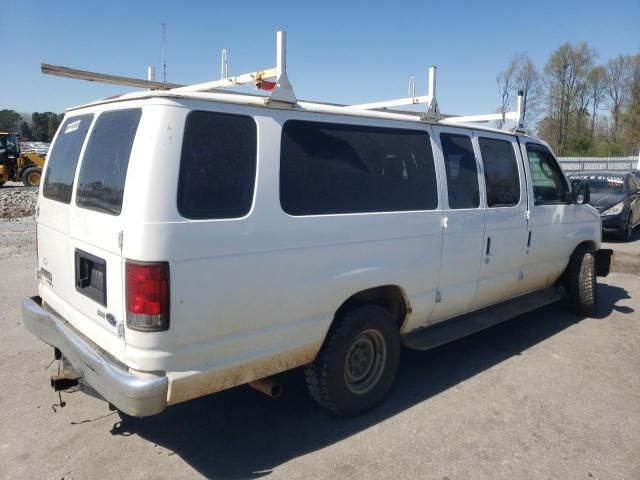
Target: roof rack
(276, 81)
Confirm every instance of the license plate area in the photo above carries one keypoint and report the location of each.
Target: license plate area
(91, 276)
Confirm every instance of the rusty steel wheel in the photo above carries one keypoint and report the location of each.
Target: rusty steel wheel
(365, 361)
(356, 365)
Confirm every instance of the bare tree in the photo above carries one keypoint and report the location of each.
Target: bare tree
(521, 74)
(528, 80)
(597, 89)
(618, 73)
(631, 119)
(582, 106)
(565, 73)
(506, 81)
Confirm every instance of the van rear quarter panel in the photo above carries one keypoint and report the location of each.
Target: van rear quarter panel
(256, 295)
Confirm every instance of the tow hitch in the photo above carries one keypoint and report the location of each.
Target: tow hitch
(60, 382)
(66, 377)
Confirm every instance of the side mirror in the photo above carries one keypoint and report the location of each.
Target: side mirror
(580, 192)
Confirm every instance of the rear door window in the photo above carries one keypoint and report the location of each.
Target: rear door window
(218, 166)
(105, 161)
(500, 172)
(462, 171)
(63, 159)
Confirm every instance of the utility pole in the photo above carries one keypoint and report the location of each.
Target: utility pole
(164, 52)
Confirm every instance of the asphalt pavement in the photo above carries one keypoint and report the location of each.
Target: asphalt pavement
(548, 395)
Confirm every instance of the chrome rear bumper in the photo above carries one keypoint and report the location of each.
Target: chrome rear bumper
(130, 393)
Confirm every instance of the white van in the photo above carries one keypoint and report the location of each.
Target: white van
(189, 243)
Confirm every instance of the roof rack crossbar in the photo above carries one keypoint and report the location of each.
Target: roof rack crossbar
(429, 99)
(516, 116)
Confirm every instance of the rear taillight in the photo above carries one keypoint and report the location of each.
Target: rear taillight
(147, 291)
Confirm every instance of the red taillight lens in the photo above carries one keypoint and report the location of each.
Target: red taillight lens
(147, 290)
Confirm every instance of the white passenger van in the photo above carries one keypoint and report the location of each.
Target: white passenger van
(192, 242)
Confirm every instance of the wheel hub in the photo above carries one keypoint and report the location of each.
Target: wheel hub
(365, 361)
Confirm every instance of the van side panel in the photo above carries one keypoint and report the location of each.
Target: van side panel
(256, 295)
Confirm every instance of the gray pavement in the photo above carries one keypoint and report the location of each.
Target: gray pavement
(627, 254)
(549, 395)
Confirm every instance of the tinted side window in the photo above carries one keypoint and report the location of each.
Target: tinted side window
(330, 168)
(218, 166)
(549, 185)
(63, 159)
(105, 161)
(462, 171)
(500, 172)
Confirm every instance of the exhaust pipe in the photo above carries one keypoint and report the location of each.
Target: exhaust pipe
(267, 386)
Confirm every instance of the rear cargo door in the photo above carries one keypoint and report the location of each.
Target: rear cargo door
(90, 289)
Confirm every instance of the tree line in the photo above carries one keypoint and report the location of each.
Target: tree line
(32, 127)
(580, 107)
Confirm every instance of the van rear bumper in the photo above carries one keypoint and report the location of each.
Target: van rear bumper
(130, 393)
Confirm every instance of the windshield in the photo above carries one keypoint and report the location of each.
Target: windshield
(10, 143)
(609, 184)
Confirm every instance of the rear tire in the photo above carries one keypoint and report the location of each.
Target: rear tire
(31, 176)
(358, 362)
(582, 282)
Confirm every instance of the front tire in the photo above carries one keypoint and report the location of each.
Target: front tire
(31, 176)
(582, 282)
(358, 362)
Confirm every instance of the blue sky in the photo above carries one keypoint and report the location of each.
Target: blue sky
(345, 52)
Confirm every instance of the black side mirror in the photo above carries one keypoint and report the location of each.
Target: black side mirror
(580, 192)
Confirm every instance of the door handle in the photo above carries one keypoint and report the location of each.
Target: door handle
(529, 240)
(488, 252)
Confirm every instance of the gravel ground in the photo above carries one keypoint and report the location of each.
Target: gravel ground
(17, 221)
(17, 236)
(17, 201)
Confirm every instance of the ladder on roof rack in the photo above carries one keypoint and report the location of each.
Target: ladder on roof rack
(272, 79)
(276, 81)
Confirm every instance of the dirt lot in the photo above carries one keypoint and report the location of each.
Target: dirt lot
(546, 395)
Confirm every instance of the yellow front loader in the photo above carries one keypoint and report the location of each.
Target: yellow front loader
(17, 166)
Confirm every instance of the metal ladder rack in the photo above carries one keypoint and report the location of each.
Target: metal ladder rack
(275, 81)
